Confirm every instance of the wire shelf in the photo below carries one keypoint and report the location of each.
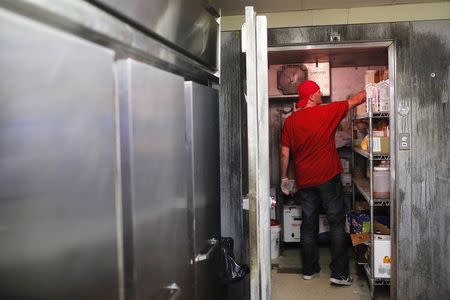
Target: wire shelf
(376, 115)
(374, 157)
(362, 185)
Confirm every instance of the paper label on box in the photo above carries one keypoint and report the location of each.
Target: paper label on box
(376, 144)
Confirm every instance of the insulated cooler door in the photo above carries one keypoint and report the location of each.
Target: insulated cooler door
(57, 165)
(202, 111)
(157, 234)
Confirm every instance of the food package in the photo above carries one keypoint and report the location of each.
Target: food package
(372, 97)
(365, 143)
(381, 145)
(383, 95)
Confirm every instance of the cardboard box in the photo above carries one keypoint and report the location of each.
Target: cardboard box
(371, 76)
(381, 229)
(291, 223)
(382, 256)
(381, 145)
(383, 95)
(360, 238)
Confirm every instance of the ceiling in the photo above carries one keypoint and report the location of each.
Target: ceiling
(236, 7)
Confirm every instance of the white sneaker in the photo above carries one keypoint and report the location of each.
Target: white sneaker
(309, 277)
(342, 280)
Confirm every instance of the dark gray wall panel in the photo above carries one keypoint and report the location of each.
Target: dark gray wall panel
(232, 153)
(321, 34)
(430, 149)
(57, 165)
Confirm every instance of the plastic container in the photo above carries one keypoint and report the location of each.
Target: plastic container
(383, 95)
(372, 96)
(381, 181)
(275, 229)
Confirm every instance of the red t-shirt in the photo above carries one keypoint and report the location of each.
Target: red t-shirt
(309, 133)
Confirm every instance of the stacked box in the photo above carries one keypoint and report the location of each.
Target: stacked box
(383, 95)
(371, 76)
(372, 95)
(381, 145)
(378, 93)
(358, 222)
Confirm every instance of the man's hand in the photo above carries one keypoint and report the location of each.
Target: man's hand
(285, 186)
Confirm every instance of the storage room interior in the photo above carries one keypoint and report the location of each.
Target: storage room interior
(340, 72)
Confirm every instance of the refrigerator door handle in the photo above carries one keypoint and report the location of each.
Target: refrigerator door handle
(213, 243)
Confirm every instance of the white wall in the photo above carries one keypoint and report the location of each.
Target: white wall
(360, 15)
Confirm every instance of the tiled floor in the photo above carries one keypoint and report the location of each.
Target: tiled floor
(290, 286)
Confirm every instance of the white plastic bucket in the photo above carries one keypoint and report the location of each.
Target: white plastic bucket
(275, 241)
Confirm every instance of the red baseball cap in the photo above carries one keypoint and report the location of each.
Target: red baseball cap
(305, 90)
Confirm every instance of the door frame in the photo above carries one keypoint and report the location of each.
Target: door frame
(254, 45)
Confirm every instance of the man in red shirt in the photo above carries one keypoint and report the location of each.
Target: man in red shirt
(309, 134)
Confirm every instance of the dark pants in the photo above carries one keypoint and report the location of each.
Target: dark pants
(330, 196)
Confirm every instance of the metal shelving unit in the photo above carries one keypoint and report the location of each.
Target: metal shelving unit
(374, 156)
(365, 187)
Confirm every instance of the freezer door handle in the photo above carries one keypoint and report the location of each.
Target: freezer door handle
(169, 292)
(212, 245)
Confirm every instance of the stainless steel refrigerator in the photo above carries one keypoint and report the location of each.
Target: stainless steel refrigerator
(57, 165)
(157, 228)
(202, 135)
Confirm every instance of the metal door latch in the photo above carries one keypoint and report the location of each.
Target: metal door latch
(335, 37)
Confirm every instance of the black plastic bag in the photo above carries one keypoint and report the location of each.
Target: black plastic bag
(230, 270)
